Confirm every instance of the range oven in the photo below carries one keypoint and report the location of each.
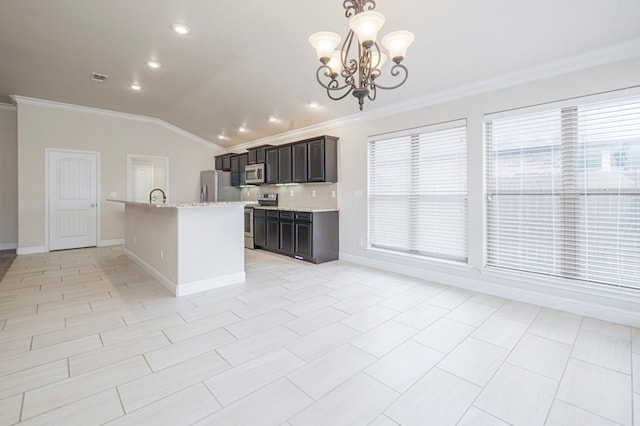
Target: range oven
(248, 227)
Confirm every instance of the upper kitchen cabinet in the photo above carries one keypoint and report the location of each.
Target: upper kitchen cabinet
(284, 164)
(223, 162)
(242, 163)
(257, 155)
(271, 165)
(299, 153)
(235, 170)
(322, 159)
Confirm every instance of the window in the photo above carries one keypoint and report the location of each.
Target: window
(418, 192)
(563, 192)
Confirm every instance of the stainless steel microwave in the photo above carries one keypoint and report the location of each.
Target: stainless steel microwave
(254, 173)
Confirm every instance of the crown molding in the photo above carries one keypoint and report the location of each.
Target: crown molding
(7, 106)
(610, 54)
(23, 100)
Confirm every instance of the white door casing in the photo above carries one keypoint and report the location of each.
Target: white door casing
(72, 200)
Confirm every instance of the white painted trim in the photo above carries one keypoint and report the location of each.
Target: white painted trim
(613, 53)
(570, 302)
(109, 243)
(47, 153)
(31, 250)
(7, 106)
(163, 279)
(115, 114)
(209, 284)
(8, 246)
(186, 288)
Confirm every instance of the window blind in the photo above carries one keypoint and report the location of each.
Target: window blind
(418, 192)
(563, 192)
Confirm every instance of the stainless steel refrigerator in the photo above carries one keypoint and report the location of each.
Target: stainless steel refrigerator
(215, 185)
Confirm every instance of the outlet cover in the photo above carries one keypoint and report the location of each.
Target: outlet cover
(313, 193)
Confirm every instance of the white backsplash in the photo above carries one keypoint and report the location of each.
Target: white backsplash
(312, 195)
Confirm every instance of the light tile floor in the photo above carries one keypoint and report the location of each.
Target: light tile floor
(87, 338)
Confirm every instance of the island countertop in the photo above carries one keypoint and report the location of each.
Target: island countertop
(182, 205)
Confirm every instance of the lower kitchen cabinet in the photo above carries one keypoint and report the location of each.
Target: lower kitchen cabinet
(309, 236)
(272, 230)
(259, 228)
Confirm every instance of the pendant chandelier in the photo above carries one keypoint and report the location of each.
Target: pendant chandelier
(359, 73)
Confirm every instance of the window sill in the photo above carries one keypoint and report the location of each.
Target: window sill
(422, 260)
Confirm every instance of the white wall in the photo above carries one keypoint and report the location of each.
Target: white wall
(8, 177)
(624, 307)
(48, 125)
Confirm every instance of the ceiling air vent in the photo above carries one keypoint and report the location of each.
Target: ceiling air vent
(98, 77)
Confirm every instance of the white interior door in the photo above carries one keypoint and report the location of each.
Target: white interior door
(73, 219)
(142, 181)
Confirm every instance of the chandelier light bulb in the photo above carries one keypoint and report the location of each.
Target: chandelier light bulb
(366, 26)
(335, 63)
(325, 43)
(397, 44)
(378, 60)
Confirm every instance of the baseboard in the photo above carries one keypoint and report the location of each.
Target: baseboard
(569, 303)
(8, 246)
(31, 250)
(186, 289)
(108, 243)
(163, 279)
(209, 284)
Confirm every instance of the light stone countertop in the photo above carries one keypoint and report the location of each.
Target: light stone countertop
(177, 205)
(296, 209)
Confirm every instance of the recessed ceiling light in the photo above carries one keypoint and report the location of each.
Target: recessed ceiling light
(314, 104)
(272, 119)
(135, 86)
(153, 64)
(181, 29)
(222, 137)
(242, 129)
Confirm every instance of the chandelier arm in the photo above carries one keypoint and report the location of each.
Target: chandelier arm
(337, 98)
(372, 92)
(395, 71)
(333, 83)
(353, 7)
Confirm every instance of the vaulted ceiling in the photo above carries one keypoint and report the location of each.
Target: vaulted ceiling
(247, 60)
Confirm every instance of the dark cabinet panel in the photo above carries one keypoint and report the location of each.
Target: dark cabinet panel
(260, 231)
(261, 154)
(251, 156)
(271, 165)
(316, 161)
(242, 163)
(226, 162)
(218, 162)
(286, 235)
(235, 170)
(299, 153)
(273, 232)
(303, 240)
(284, 164)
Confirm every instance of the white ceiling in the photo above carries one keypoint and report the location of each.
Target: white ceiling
(247, 60)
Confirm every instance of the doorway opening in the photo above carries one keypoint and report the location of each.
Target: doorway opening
(144, 173)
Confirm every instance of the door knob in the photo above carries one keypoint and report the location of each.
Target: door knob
(92, 205)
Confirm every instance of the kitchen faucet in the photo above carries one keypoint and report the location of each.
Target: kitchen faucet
(152, 198)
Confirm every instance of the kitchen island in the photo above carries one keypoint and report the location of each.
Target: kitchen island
(188, 247)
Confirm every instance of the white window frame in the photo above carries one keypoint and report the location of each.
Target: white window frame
(453, 261)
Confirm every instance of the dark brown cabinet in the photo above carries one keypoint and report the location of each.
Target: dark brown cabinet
(309, 236)
(286, 231)
(284, 164)
(235, 170)
(259, 227)
(242, 163)
(226, 162)
(322, 156)
(272, 230)
(299, 153)
(271, 165)
(218, 162)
